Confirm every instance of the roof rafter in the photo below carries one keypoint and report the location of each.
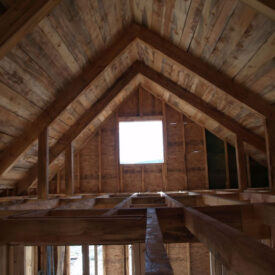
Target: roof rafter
(205, 71)
(65, 97)
(20, 19)
(139, 68)
(81, 124)
(133, 34)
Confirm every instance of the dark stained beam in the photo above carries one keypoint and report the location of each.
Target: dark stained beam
(80, 230)
(203, 70)
(241, 164)
(43, 165)
(69, 170)
(156, 259)
(20, 19)
(270, 150)
(85, 260)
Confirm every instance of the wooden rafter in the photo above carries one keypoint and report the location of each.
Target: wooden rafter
(266, 7)
(159, 79)
(63, 100)
(20, 19)
(80, 125)
(134, 34)
(203, 106)
(204, 71)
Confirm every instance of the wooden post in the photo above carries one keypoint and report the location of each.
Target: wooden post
(185, 184)
(58, 182)
(85, 260)
(156, 259)
(270, 150)
(241, 164)
(96, 259)
(205, 159)
(60, 260)
(136, 269)
(78, 172)
(69, 170)
(164, 166)
(67, 261)
(29, 260)
(16, 260)
(3, 259)
(248, 171)
(227, 184)
(43, 165)
(99, 161)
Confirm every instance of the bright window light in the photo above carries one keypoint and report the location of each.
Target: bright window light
(76, 260)
(140, 142)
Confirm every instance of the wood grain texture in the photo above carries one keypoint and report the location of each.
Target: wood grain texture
(43, 166)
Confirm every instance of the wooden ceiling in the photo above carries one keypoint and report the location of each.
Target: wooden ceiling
(57, 72)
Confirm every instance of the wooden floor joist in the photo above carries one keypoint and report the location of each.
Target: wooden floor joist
(237, 251)
(156, 259)
(218, 227)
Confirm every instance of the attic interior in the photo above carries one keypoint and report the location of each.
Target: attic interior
(137, 137)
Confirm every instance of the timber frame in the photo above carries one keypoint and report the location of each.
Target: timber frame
(231, 223)
(153, 218)
(149, 79)
(133, 35)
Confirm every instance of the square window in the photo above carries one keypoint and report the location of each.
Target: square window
(140, 142)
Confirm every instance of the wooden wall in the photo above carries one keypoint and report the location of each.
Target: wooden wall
(97, 167)
(189, 258)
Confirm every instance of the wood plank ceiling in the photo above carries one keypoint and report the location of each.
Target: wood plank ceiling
(231, 36)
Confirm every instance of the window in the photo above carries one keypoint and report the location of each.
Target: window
(140, 142)
(76, 260)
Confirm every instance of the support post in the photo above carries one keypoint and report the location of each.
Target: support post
(156, 259)
(85, 260)
(69, 170)
(241, 164)
(43, 165)
(270, 150)
(227, 184)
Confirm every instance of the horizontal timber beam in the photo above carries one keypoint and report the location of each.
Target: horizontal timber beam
(73, 226)
(64, 231)
(241, 253)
